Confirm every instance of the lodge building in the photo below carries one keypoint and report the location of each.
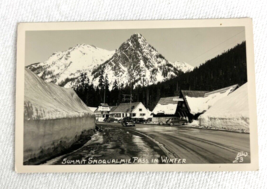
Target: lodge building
(178, 106)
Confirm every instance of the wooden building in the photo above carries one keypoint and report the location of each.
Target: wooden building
(102, 112)
(166, 108)
(133, 110)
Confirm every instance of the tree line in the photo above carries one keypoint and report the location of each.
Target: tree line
(226, 69)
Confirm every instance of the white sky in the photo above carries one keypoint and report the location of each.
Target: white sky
(191, 45)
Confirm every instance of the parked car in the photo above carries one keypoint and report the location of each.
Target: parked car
(139, 120)
(149, 120)
(127, 122)
(176, 121)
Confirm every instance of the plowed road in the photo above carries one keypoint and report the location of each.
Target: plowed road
(196, 145)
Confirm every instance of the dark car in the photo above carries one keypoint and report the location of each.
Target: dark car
(127, 122)
(148, 120)
(139, 120)
(176, 121)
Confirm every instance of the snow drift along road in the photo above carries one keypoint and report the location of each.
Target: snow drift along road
(55, 118)
(230, 112)
(49, 101)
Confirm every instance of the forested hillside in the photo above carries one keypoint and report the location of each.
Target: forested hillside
(224, 70)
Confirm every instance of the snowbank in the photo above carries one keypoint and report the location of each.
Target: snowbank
(230, 112)
(93, 109)
(44, 101)
(44, 139)
(201, 104)
(194, 123)
(54, 119)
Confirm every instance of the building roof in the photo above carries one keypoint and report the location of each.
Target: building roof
(113, 108)
(104, 104)
(203, 94)
(168, 100)
(125, 107)
(167, 105)
(97, 111)
(194, 93)
(223, 90)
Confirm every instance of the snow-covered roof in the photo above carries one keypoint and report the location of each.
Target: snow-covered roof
(167, 105)
(198, 101)
(223, 90)
(113, 108)
(168, 100)
(125, 107)
(103, 108)
(104, 104)
(194, 93)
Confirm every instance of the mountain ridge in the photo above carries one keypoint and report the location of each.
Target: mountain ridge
(134, 60)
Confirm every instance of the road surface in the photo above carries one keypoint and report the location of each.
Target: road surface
(196, 145)
(116, 144)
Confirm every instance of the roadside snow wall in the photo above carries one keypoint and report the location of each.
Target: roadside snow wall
(54, 119)
(230, 112)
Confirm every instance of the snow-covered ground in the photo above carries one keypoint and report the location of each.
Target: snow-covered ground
(230, 112)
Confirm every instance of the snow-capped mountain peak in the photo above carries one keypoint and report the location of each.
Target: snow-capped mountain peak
(183, 66)
(134, 62)
(63, 67)
(137, 62)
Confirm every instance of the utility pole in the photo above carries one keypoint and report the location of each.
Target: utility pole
(105, 85)
(105, 92)
(131, 100)
(127, 97)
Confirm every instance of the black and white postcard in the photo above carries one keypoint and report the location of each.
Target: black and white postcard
(136, 96)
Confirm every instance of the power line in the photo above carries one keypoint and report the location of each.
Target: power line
(234, 42)
(215, 46)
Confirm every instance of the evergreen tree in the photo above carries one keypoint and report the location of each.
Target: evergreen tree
(115, 85)
(101, 80)
(224, 70)
(106, 83)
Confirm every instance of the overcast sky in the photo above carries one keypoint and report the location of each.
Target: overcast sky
(191, 45)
